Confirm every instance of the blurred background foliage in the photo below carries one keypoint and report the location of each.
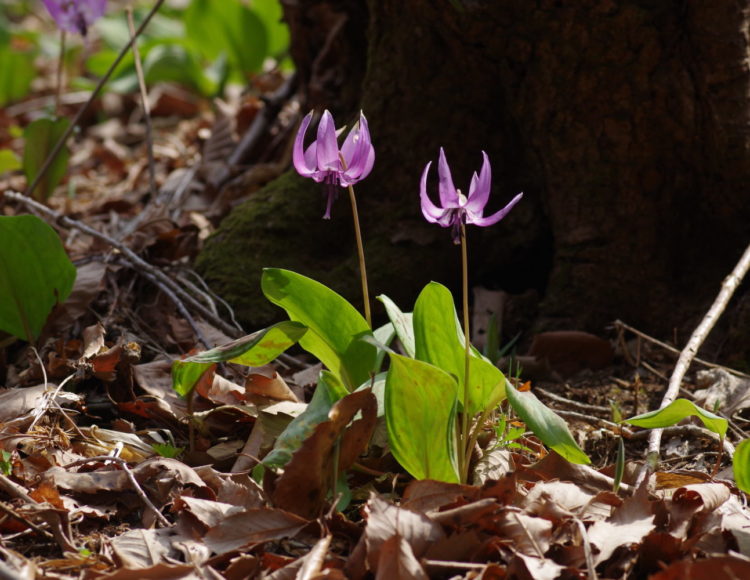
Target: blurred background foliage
(203, 45)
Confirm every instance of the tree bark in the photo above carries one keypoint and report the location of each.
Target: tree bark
(625, 123)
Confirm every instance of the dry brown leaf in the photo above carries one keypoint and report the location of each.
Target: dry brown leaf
(164, 572)
(20, 404)
(528, 567)
(266, 383)
(308, 476)
(385, 520)
(556, 500)
(143, 548)
(238, 489)
(703, 496)
(529, 535)
(111, 480)
(253, 527)
(629, 524)
(570, 351)
(465, 515)
(93, 340)
(397, 561)
(425, 495)
(314, 559)
(209, 513)
(724, 567)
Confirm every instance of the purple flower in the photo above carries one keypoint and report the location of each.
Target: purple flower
(322, 160)
(456, 208)
(76, 15)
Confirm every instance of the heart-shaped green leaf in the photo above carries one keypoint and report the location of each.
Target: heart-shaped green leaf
(253, 350)
(335, 326)
(420, 414)
(675, 412)
(545, 424)
(35, 274)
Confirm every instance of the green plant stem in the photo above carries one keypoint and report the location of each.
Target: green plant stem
(464, 438)
(361, 254)
(74, 123)
(60, 72)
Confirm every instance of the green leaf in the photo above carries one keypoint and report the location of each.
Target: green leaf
(35, 274)
(9, 161)
(271, 15)
(383, 335)
(546, 424)
(329, 390)
(420, 414)
(16, 73)
(402, 322)
(253, 350)
(335, 326)
(439, 340)
(228, 27)
(675, 412)
(171, 62)
(741, 465)
(40, 138)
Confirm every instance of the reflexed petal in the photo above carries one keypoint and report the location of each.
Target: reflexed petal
(431, 212)
(358, 152)
(304, 161)
(495, 217)
(479, 190)
(446, 189)
(328, 149)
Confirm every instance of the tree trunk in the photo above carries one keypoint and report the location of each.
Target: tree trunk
(624, 123)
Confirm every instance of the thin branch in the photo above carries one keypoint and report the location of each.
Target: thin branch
(136, 486)
(673, 350)
(100, 85)
(145, 104)
(728, 287)
(128, 255)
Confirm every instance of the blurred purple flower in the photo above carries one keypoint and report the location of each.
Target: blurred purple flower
(456, 207)
(76, 15)
(322, 159)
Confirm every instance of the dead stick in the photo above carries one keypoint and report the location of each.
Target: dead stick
(728, 287)
(670, 348)
(100, 85)
(138, 490)
(145, 103)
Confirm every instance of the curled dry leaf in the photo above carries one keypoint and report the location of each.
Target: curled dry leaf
(397, 561)
(308, 476)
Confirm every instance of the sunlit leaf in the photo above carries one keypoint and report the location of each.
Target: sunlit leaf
(675, 412)
(402, 322)
(328, 391)
(40, 137)
(420, 413)
(335, 326)
(439, 340)
(253, 350)
(546, 424)
(9, 161)
(35, 274)
(741, 465)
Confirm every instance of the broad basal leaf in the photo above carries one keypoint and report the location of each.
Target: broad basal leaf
(335, 326)
(420, 414)
(546, 424)
(675, 412)
(253, 350)
(439, 340)
(35, 274)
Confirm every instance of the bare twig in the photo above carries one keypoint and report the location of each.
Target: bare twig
(131, 257)
(145, 104)
(728, 287)
(615, 427)
(7, 510)
(689, 432)
(673, 350)
(136, 486)
(100, 85)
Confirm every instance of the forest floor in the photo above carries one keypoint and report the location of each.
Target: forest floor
(102, 477)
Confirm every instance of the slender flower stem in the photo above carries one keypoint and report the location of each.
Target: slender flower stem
(360, 248)
(465, 439)
(361, 254)
(60, 73)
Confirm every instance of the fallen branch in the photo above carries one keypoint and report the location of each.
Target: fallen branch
(728, 287)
